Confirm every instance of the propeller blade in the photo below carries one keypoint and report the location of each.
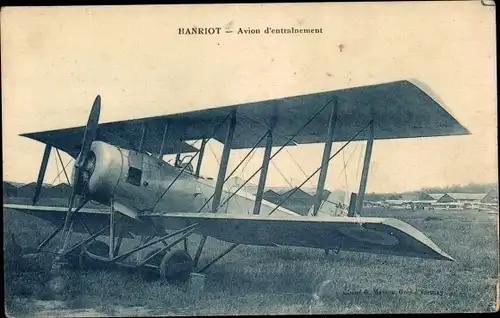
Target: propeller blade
(41, 173)
(90, 131)
(89, 136)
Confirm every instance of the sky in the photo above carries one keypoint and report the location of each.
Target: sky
(55, 60)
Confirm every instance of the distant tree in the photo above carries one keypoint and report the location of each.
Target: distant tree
(422, 195)
(470, 188)
(394, 196)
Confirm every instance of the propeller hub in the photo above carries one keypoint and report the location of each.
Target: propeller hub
(82, 174)
(86, 160)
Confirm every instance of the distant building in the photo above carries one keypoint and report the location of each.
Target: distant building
(461, 197)
(435, 196)
(491, 196)
(428, 197)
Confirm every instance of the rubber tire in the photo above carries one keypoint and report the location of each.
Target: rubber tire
(147, 273)
(59, 284)
(98, 248)
(176, 267)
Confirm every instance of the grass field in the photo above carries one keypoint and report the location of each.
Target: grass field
(257, 280)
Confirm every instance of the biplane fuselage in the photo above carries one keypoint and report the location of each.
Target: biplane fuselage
(140, 184)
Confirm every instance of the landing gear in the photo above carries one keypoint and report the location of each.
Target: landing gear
(176, 266)
(59, 282)
(87, 259)
(172, 263)
(173, 267)
(150, 270)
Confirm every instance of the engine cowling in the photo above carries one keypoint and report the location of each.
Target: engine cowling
(101, 172)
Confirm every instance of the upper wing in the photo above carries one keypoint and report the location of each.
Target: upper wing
(372, 235)
(125, 134)
(399, 109)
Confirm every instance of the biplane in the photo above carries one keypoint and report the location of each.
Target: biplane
(120, 166)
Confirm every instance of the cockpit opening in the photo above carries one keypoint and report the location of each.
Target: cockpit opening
(134, 176)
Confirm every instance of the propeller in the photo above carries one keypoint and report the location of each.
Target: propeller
(90, 132)
(41, 173)
(82, 164)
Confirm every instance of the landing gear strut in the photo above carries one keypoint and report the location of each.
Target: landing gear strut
(171, 262)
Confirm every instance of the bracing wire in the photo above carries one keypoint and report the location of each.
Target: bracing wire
(192, 158)
(175, 179)
(65, 166)
(345, 171)
(213, 153)
(62, 165)
(321, 166)
(246, 156)
(357, 174)
(278, 151)
(192, 144)
(346, 163)
(234, 170)
(282, 175)
(251, 152)
(57, 169)
(359, 161)
(246, 164)
(296, 163)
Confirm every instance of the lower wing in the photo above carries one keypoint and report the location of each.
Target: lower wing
(371, 235)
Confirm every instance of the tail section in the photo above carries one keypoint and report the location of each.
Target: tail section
(334, 204)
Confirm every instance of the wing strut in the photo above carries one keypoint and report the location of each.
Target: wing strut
(263, 173)
(278, 151)
(178, 155)
(326, 155)
(366, 167)
(352, 204)
(63, 166)
(192, 158)
(143, 137)
(111, 228)
(163, 140)
(200, 157)
(307, 179)
(223, 162)
(232, 172)
(41, 173)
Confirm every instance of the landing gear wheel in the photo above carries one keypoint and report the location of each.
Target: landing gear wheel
(98, 248)
(148, 274)
(58, 284)
(176, 266)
